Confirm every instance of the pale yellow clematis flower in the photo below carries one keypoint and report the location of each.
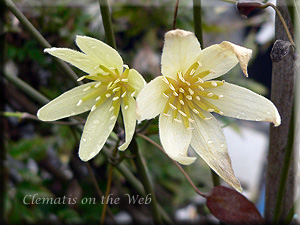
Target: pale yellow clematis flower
(185, 95)
(114, 86)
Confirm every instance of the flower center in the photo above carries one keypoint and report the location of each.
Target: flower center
(112, 86)
(187, 95)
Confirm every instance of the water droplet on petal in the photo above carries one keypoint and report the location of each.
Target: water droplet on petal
(209, 141)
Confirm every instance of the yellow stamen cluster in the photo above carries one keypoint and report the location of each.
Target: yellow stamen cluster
(187, 95)
(111, 85)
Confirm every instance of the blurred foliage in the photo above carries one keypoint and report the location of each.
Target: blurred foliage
(42, 158)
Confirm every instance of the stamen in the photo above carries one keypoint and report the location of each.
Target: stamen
(210, 110)
(126, 107)
(182, 113)
(165, 114)
(208, 118)
(189, 97)
(133, 93)
(191, 91)
(178, 121)
(117, 80)
(79, 102)
(98, 84)
(195, 111)
(198, 98)
(181, 102)
(200, 87)
(116, 89)
(181, 90)
(113, 117)
(93, 108)
(165, 80)
(192, 72)
(213, 83)
(172, 106)
(221, 96)
(109, 85)
(107, 95)
(165, 95)
(210, 94)
(200, 80)
(124, 80)
(115, 98)
(123, 95)
(111, 108)
(221, 113)
(191, 120)
(175, 93)
(190, 128)
(87, 88)
(98, 98)
(172, 87)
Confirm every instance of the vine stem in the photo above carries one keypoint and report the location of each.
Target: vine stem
(143, 172)
(175, 15)
(36, 34)
(109, 181)
(107, 24)
(197, 8)
(176, 163)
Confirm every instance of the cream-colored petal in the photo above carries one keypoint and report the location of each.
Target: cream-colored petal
(241, 103)
(223, 57)
(129, 118)
(78, 59)
(180, 51)
(151, 101)
(209, 142)
(65, 105)
(97, 129)
(175, 139)
(102, 53)
(136, 80)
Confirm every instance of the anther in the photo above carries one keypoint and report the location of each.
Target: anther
(198, 98)
(221, 113)
(126, 66)
(175, 93)
(133, 93)
(123, 95)
(195, 111)
(79, 102)
(212, 71)
(116, 89)
(124, 80)
(208, 118)
(210, 94)
(178, 121)
(172, 87)
(98, 98)
(111, 108)
(191, 91)
(87, 88)
(165, 95)
(115, 98)
(200, 87)
(200, 80)
(117, 80)
(93, 108)
(181, 90)
(189, 97)
(165, 114)
(213, 83)
(98, 84)
(113, 117)
(192, 72)
(165, 80)
(191, 120)
(107, 95)
(221, 96)
(172, 106)
(109, 85)
(190, 128)
(210, 110)
(182, 113)
(126, 107)
(181, 102)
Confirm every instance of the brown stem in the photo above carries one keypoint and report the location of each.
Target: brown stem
(175, 15)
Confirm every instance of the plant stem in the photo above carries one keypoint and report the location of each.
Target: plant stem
(143, 172)
(137, 185)
(36, 34)
(175, 15)
(110, 173)
(109, 33)
(197, 9)
(176, 163)
(26, 88)
(284, 172)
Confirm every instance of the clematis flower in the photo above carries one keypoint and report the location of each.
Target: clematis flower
(186, 95)
(114, 85)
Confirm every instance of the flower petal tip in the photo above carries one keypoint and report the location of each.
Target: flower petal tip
(178, 32)
(184, 160)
